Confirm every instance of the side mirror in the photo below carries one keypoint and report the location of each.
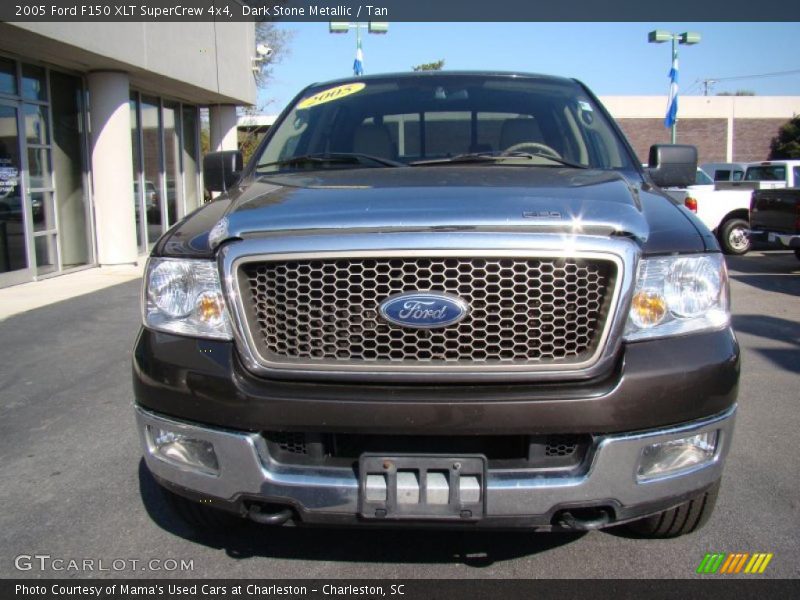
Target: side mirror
(672, 165)
(221, 170)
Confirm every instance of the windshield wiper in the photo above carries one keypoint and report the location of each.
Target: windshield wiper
(353, 158)
(490, 157)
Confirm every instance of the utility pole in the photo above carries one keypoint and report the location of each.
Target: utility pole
(708, 85)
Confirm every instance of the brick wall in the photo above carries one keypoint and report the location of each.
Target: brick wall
(752, 137)
(709, 135)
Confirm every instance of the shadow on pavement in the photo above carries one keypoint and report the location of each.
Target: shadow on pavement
(470, 548)
(769, 271)
(777, 329)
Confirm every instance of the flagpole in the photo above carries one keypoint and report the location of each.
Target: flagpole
(674, 128)
(659, 36)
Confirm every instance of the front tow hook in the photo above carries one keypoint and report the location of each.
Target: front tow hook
(601, 518)
(276, 518)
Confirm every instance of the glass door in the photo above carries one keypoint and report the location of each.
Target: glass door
(15, 217)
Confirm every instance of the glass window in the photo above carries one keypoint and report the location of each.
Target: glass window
(36, 131)
(138, 203)
(33, 83)
(151, 167)
(190, 154)
(45, 246)
(454, 115)
(13, 250)
(702, 178)
(8, 77)
(172, 166)
(766, 173)
(39, 168)
(68, 169)
(42, 211)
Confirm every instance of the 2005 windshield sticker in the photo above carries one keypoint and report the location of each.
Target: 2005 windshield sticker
(331, 94)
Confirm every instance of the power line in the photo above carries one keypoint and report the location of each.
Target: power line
(759, 76)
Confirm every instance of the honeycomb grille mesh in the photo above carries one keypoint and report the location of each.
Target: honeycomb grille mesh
(522, 310)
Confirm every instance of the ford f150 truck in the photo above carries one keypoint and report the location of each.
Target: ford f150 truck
(448, 299)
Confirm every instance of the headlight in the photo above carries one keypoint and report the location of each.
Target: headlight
(679, 294)
(184, 296)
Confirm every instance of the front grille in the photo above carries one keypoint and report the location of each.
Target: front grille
(522, 310)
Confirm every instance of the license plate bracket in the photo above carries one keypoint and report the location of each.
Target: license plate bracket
(422, 487)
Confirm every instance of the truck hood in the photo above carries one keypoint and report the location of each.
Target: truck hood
(440, 198)
(435, 198)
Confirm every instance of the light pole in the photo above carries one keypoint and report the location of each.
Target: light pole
(688, 37)
(379, 27)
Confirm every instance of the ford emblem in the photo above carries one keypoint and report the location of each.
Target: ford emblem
(423, 310)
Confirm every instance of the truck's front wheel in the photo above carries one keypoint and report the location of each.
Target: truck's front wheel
(734, 236)
(684, 518)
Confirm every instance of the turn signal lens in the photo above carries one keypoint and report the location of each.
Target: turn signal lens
(691, 204)
(648, 308)
(210, 308)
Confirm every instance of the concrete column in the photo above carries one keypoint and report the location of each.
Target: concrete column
(112, 176)
(222, 123)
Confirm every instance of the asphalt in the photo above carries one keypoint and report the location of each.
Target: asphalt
(73, 486)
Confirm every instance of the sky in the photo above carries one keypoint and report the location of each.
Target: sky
(611, 58)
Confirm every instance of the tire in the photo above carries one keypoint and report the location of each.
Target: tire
(684, 518)
(733, 237)
(201, 518)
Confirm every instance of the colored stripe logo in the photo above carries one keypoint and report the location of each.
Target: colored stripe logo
(734, 562)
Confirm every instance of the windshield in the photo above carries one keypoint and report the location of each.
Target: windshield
(404, 120)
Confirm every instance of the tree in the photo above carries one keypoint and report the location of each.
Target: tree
(431, 66)
(278, 41)
(738, 93)
(787, 143)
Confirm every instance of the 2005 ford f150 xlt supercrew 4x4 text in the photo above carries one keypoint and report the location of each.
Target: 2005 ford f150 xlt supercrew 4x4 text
(450, 299)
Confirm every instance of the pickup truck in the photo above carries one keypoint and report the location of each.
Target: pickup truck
(724, 212)
(440, 299)
(766, 175)
(776, 217)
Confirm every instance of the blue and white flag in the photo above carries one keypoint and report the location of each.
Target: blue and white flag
(672, 103)
(358, 63)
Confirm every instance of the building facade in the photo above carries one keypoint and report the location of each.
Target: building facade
(100, 135)
(724, 128)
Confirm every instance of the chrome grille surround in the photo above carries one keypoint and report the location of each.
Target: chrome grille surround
(530, 249)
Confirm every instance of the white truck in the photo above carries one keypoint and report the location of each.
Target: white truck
(724, 210)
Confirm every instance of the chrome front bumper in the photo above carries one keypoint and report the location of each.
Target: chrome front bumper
(247, 470)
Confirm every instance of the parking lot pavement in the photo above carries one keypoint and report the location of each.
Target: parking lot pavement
(72, 484)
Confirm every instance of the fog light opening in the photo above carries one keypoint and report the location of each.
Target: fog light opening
(676, 456)
(182, 450)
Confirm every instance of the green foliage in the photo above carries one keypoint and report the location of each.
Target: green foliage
(431, 66)
(278, 40)
(786, 144)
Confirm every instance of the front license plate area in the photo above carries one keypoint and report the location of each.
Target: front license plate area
(422, 487)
